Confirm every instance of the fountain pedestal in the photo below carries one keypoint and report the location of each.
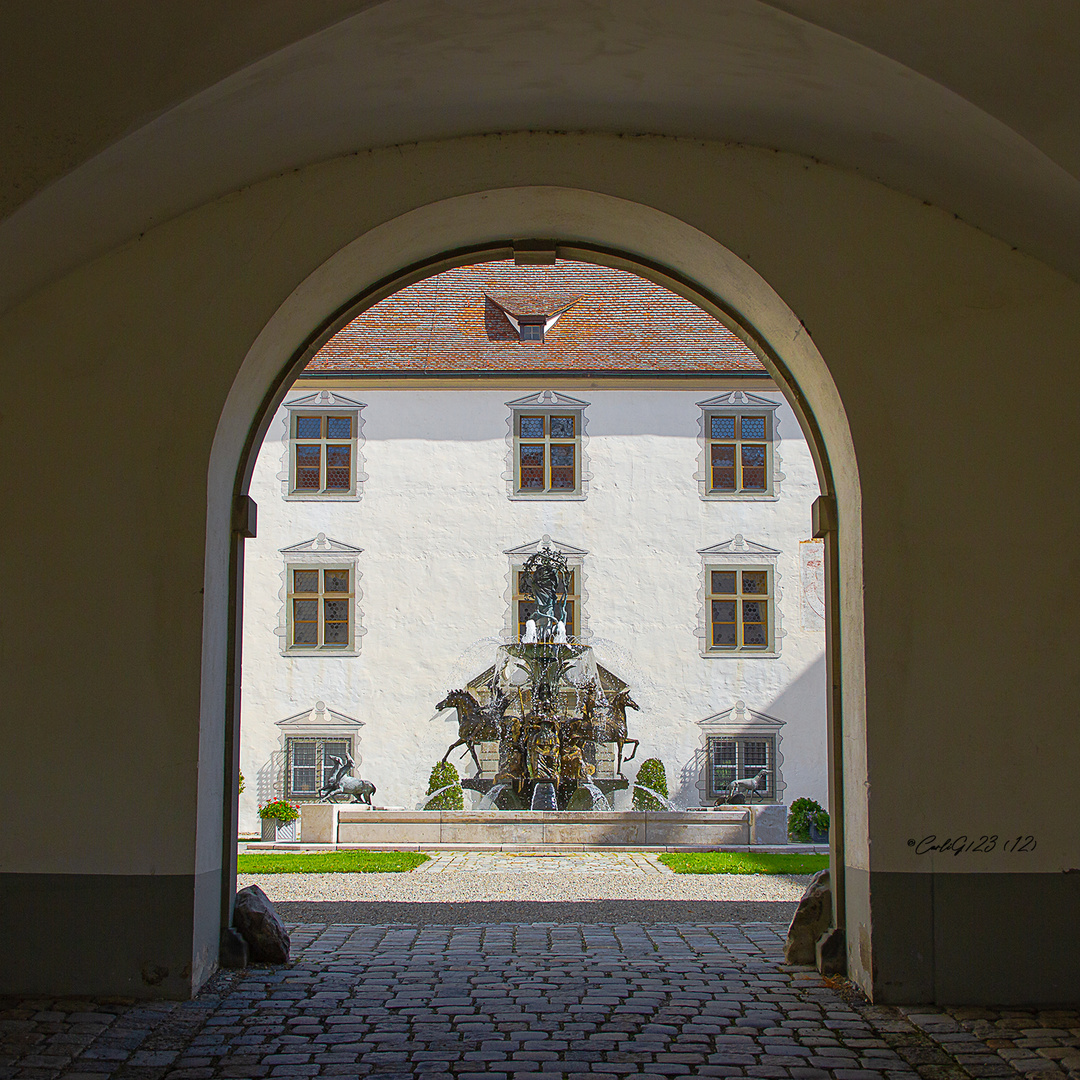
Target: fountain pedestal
(348, 825)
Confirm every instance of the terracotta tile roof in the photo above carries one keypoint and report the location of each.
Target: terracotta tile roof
(611, 321)
(534, 301)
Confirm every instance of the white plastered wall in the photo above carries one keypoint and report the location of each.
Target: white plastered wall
(434, 522)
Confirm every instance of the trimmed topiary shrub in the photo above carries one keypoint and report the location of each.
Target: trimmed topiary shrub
(651, 775)
(803, 814)
(444, 775)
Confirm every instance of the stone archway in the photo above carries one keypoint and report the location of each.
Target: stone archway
(589, 227)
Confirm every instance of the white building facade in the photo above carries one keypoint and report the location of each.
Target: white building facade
(396, 504)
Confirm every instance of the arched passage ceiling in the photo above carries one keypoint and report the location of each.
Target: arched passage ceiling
(118, 119)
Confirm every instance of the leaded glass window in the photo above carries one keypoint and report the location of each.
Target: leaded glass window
(303, 768)
(737, 445)
(739, 604)
(308, 764)
(741, 757)
(547, 452)
(320, 607)
(323, 453)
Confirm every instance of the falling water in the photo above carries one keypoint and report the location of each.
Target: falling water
(475, 656)
(543, 796)
(433, 795)
(618, 660)
(668, 804)
(599, 799)
(490, 800)
(567, 718)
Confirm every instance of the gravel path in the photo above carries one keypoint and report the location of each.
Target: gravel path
(468, 897)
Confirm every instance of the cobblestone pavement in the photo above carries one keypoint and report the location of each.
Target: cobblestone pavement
(583, 862)
(542, 1000)
(1036, 1042)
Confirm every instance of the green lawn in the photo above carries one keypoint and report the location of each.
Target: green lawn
(737, 862)
(329, 862)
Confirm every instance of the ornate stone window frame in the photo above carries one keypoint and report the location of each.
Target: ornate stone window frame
(321, 553)
(575, 558)
(321, 403)
(735, 403)
(741, 724)
(739, 554)
(320, 726)
(547, 403)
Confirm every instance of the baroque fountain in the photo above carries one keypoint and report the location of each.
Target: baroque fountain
(549, 723)
(545, 704)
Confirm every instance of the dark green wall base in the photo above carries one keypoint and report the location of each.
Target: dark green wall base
(973, 939)
(99, 934)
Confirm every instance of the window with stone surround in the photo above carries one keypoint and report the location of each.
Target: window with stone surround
(740, 744)
(739, 447)
(739, 602)
(740, 613)
(322, 448)
(525, 606)
(320, 614)
(547, 452)
(302, 767)
(521, 607)
(320, 607)
(546, 433)
(741, 757)
(738, 452)
(308, 764)
(324, 441)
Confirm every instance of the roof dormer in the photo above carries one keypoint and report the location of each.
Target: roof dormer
(532, 312)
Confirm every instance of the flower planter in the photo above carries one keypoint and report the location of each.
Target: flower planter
(278, 831)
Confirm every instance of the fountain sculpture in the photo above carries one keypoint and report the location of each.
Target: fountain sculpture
(545, 704)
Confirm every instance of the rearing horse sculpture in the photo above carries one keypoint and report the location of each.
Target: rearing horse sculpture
(475, 723)
(619, 704)
(607, 721)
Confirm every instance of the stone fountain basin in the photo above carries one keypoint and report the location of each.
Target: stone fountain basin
(336, 823)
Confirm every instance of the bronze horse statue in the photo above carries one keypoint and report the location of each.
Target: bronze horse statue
(619, 704)
(475, 723)
(606, 721)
